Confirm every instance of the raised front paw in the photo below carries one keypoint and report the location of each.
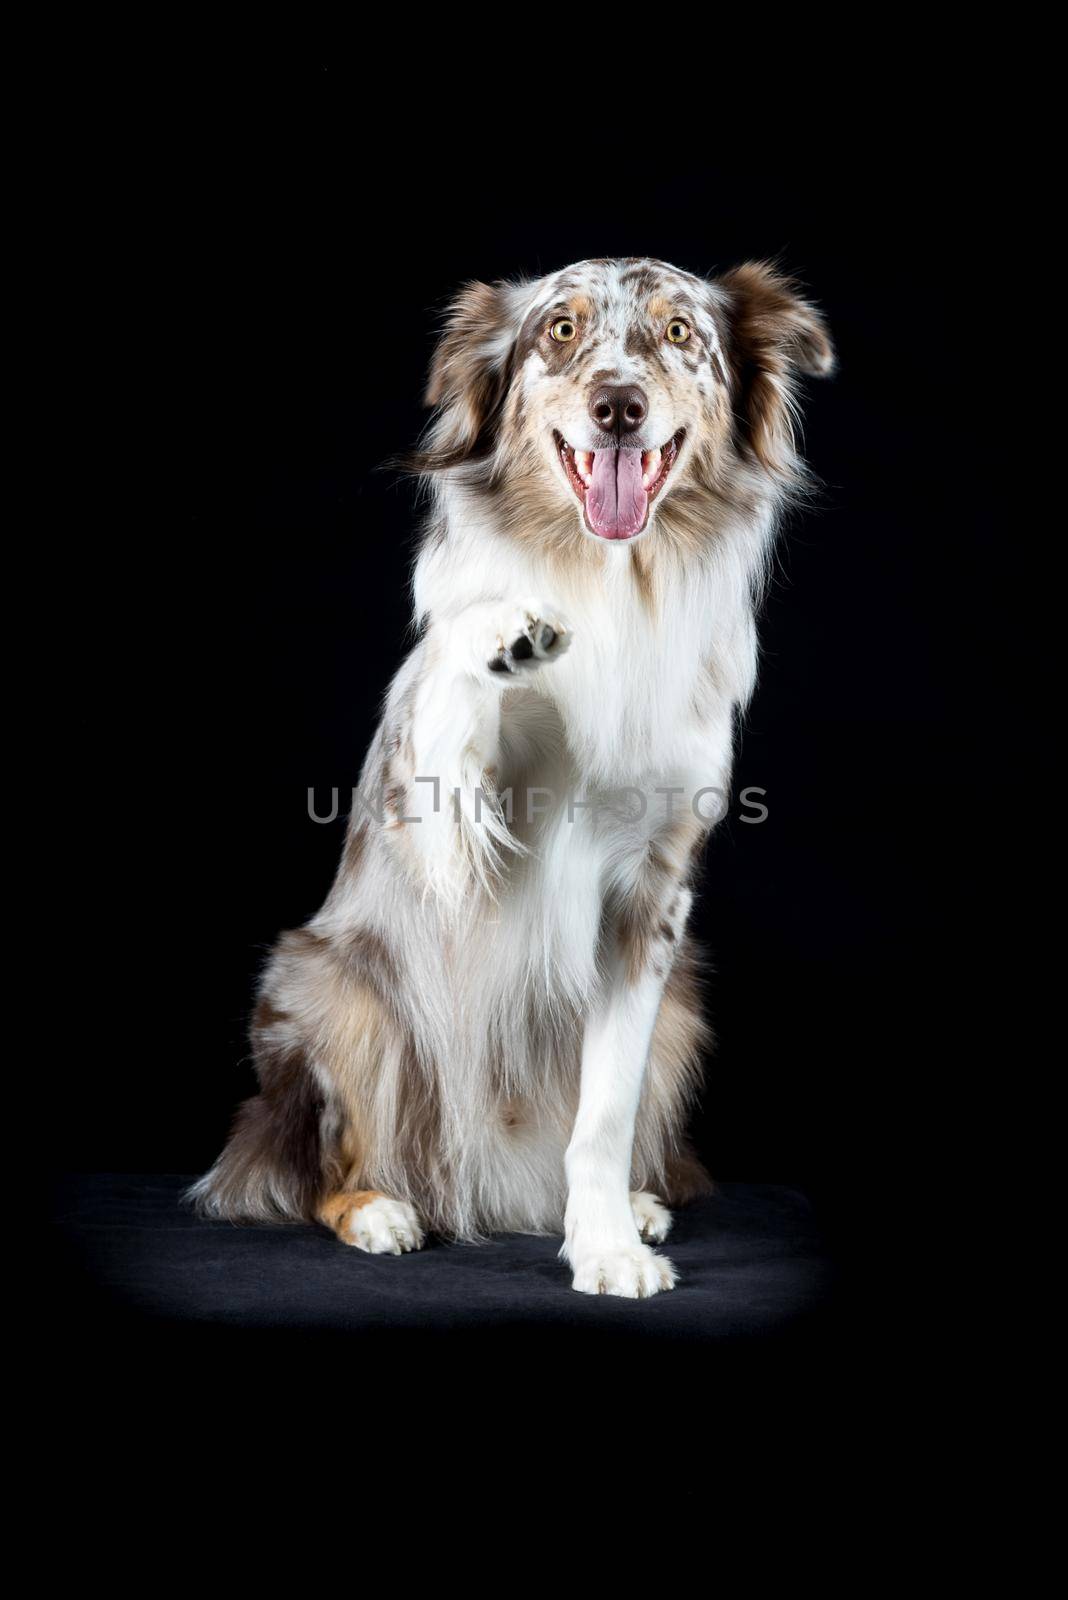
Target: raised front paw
(531, 636)
(632, 1271)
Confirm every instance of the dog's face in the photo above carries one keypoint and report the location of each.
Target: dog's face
(618, 368)
(607, 389)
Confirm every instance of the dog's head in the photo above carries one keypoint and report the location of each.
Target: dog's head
(608, 396)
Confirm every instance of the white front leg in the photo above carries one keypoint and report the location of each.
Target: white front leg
(601, 1239)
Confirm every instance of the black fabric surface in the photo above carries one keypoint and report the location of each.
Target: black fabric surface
(171, 1342)
(750, 1259)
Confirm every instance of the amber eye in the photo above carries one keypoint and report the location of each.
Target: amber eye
(563, 331)
(678, 331)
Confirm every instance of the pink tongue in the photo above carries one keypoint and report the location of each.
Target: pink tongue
(615, 500)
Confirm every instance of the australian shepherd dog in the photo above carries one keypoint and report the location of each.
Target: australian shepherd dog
(494, 1022)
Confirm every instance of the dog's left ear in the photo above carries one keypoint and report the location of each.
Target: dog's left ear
(470, 372)
(774, 335)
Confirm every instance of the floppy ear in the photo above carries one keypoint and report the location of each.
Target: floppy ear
(470, 372)
(774, 336)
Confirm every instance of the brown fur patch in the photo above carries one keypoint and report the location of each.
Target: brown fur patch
(271, 1168)
(663, 1160)
(336, 1209)
(641, 341)
(641, 565)
(468, 378)
(637, 923)
(685, 1176)
(644, 279)
(302, 942)
(369, 960)
(773, 335)
(266, 1016)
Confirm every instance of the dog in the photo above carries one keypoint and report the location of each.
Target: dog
(494, 1022)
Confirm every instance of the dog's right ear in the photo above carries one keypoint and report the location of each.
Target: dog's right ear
(470, 373)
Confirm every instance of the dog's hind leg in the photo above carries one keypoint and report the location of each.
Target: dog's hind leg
(279, 1150)
(315, 1144)
(372, 1221)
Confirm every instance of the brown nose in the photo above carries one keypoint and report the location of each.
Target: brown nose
(618, 407)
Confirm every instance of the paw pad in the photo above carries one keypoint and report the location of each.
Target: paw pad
(533, 640)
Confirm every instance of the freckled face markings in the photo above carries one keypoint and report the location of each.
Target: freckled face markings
(641, 281)
(661, 310)
(612, 304)
(693, 352)
(621, 312)
(558, 356)
(641, 341)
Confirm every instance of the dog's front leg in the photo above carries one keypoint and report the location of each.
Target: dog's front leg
(447, 735)
(601, 1239)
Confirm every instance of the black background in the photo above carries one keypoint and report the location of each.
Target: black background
(261, 276)
(247, 265)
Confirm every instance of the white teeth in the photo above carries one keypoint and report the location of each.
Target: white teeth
(650, 467)
(584, 465)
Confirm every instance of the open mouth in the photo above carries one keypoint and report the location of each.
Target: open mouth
(617, 487)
